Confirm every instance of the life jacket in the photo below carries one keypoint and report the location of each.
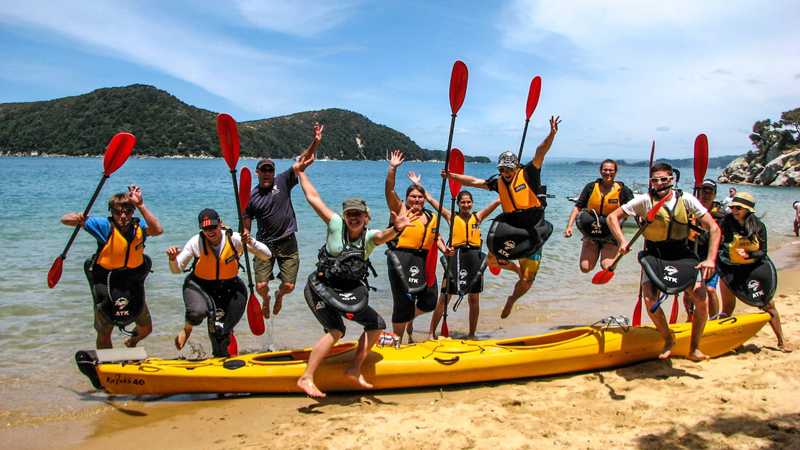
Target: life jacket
(210, 266)
(348, 268)
(418, 237)
(117, 252)
(604, 204)
(669, 225)
(466, 233)
(517, 194)
(744, 243)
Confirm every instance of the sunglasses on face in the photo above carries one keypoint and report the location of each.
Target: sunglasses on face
(210, 228)
(660, 180)
(120, 212)
(505, 169)
(735, 208)
(267, 169)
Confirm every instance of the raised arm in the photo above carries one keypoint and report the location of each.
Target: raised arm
(309, 153)
(544, 147)
(484, 213)
(393, 200)
(417, 179)
(153, 226)
(465, 180)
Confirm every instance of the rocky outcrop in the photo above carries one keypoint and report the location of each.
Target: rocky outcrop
(782, 170)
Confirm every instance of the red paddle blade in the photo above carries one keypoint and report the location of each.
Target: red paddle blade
(673, 317)
(533, 95)
(233, 347)
(118, 151)
(445, 331)
(55, 273)
(637, 313)
(700, 159)
(458, 85)
(456, 166)
(228, 139)
(245, 180)
(254, 317)
(430, 265)
(495, 270)
(603, 277)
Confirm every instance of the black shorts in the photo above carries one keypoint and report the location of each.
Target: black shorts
(405, 303)
(331, 319)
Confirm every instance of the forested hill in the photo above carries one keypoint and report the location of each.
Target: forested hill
(165, 126)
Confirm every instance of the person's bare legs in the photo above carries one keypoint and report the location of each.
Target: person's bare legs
(699, 319)
(775, 323)
(474, 313)
(283, 289)
(436, 317)
(183, 336)
(365, 344)
(104, 340)
(318, 353)
(263, 291)
(713, 301)
(589, 254)
(520, 288)
(139, 334)
(658, 318)
(607, 255)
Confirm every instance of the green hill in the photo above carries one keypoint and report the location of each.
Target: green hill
(165, 126)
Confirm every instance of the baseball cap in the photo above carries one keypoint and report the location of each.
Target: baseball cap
(709, 183)
(208, 217)
(265, 161)
(357, 204)
(507, 159)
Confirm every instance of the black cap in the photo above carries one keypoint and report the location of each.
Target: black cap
(208, 217)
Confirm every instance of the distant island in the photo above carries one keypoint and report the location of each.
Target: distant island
(717, 162)
(164, 126)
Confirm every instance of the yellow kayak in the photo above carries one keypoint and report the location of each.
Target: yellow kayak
(429, 363)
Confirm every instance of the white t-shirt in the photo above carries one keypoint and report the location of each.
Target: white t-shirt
(642, 204)
(193, 249)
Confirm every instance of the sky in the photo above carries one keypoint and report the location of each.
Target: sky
(620, 73)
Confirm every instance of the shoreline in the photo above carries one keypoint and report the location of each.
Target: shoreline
(741, 400)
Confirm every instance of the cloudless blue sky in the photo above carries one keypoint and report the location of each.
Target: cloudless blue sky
(620, 73)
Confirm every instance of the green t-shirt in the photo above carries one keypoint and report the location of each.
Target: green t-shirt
(335, 243)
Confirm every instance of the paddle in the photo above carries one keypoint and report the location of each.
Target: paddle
(229, 142)
(458, 89)
(255, 316)
(117, 153)
(456, 166)
(533, 100)
(637, 311)
(604, 276)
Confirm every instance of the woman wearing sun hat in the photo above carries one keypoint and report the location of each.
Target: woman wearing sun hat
(745, 270)
(338, 288)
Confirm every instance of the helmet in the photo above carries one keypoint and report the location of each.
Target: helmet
(507, 159)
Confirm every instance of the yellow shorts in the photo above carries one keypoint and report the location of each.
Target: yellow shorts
(530, 265)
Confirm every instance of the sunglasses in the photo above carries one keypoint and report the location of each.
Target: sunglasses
(660, 180)
(505, 169)
(266, 169)
(210, 228)
(737, 208)
(120, 212)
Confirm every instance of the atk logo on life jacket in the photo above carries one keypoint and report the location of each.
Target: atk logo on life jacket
(319, 305)
(121, 303)
(669, 274)
(755, 287)
(462, 274)
(509, 245)
(347, 296)
(219, 314)
(520, 187)
(413, 271)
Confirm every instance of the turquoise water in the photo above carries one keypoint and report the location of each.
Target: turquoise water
(43, 328)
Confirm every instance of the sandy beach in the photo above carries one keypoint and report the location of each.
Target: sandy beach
(744, 400)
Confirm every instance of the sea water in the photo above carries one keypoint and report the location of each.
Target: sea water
(43, 328)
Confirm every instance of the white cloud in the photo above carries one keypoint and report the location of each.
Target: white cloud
(297, 17)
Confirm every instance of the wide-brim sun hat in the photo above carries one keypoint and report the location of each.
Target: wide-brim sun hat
(744, 200)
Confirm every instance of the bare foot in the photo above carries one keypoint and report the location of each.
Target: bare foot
(507, 309)
(308, 386)
(278, 302)
(785, 348)
(265, 307)
(181, 338)
(697, 355)
(431, 337)
(358, 378)
(471, 337)
(667, 350)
